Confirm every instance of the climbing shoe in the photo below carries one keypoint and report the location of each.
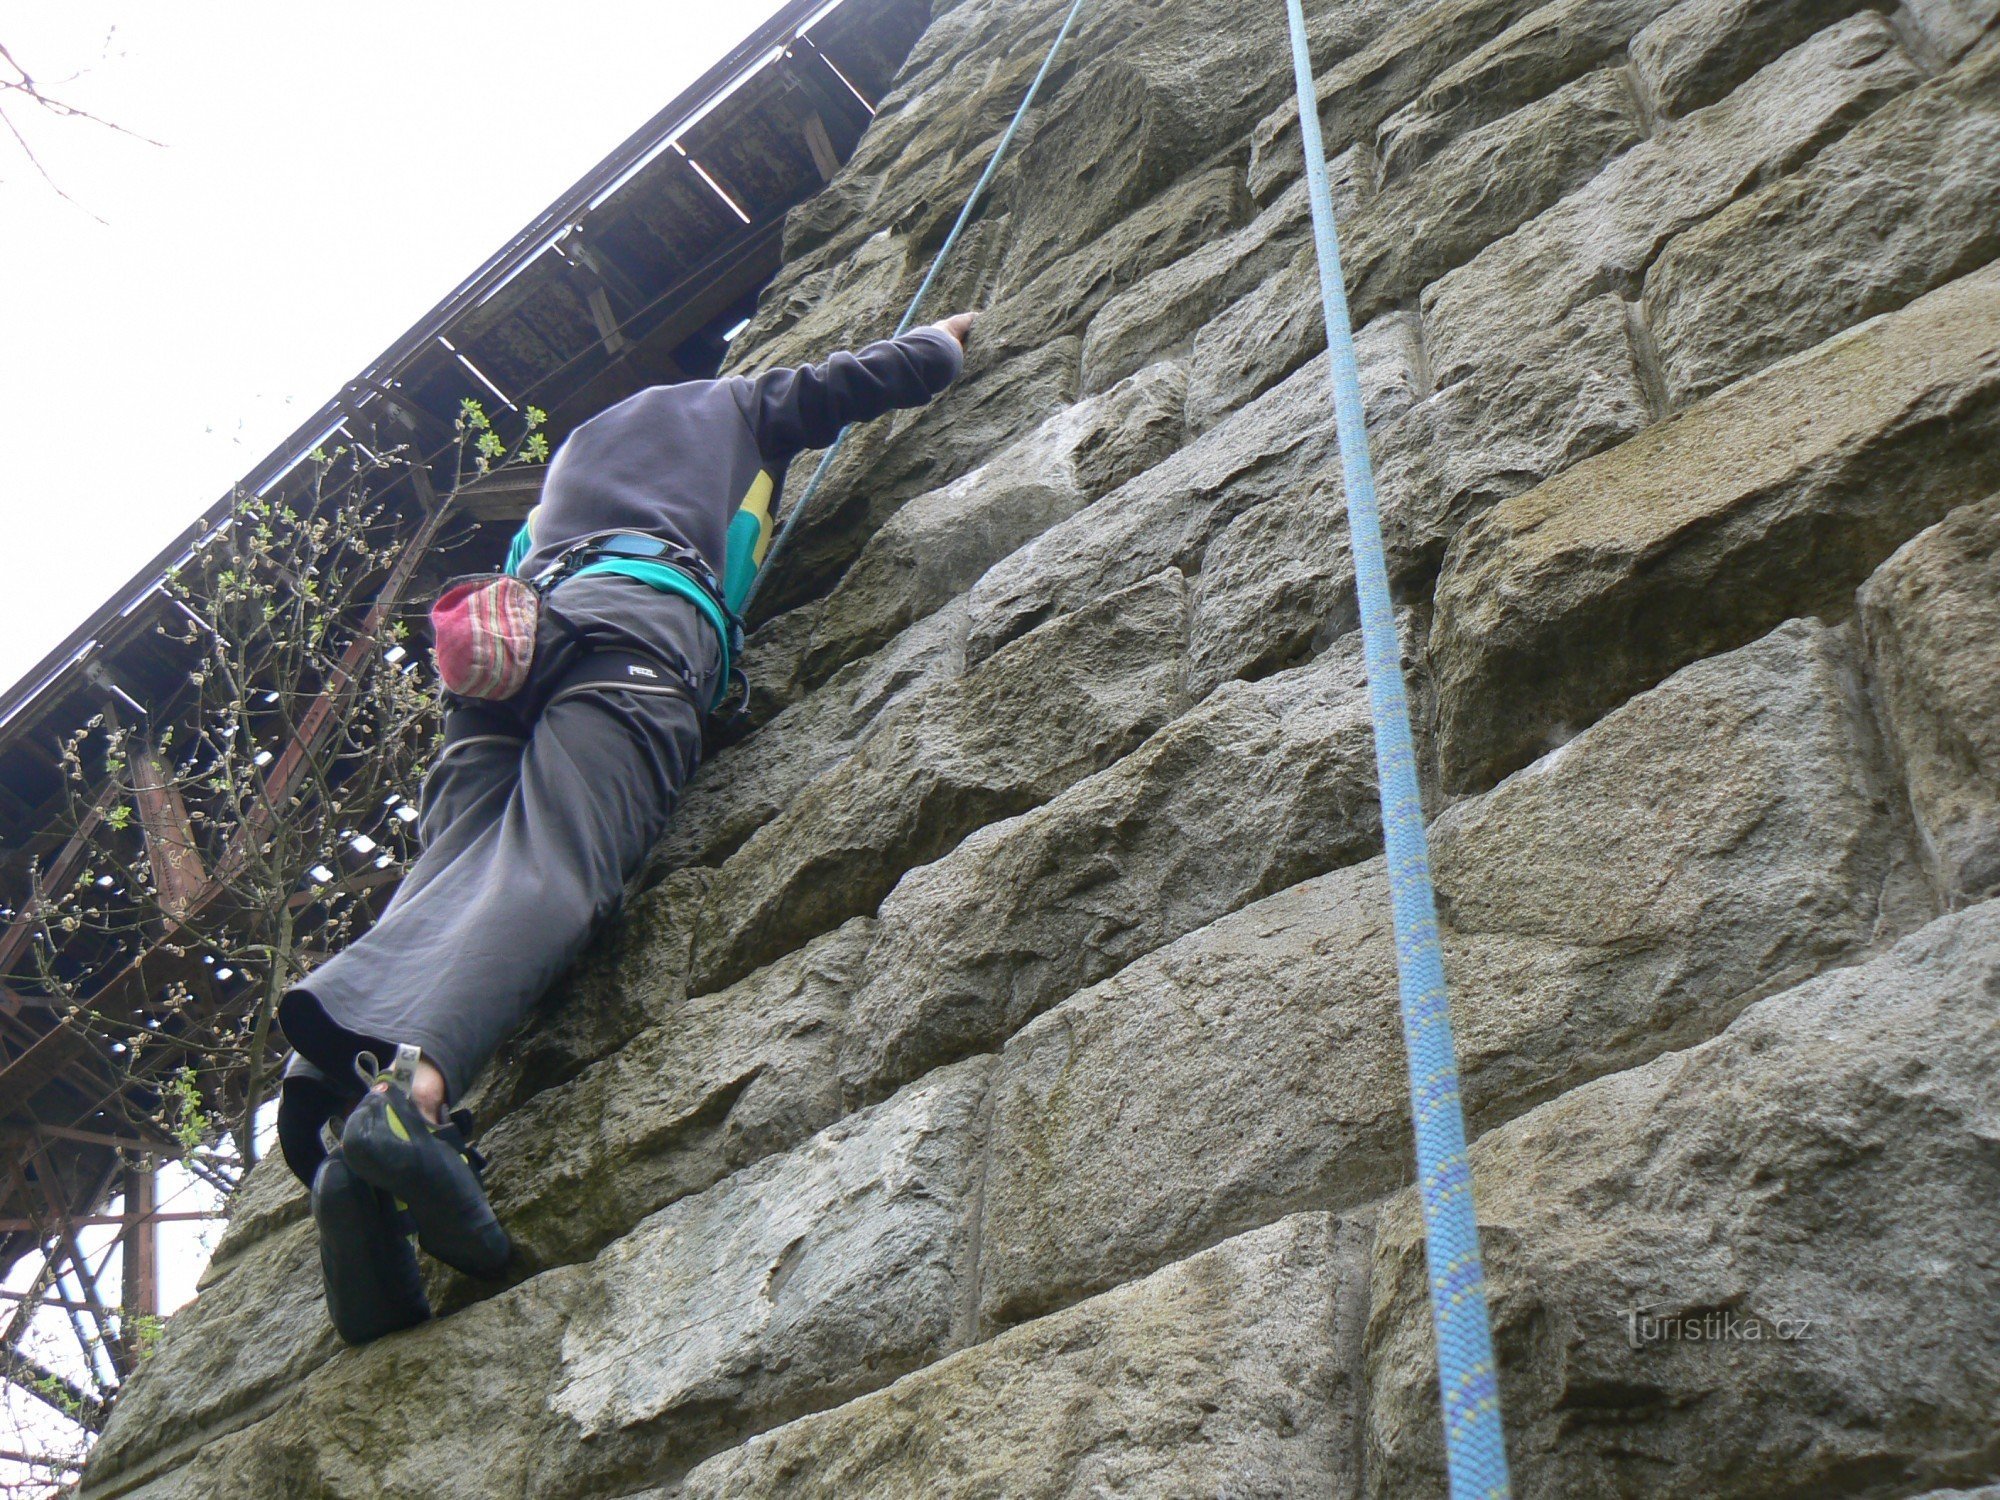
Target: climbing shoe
(365, 1255)
(388, 1142)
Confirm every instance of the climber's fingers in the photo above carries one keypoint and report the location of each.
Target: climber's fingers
(959, 326)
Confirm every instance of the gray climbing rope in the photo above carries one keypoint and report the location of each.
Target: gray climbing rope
(798, 507)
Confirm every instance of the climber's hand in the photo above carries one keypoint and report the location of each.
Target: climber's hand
(959, 326)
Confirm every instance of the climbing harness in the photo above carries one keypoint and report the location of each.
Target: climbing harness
(1475, 1454)
(733, 688)
(798, 507)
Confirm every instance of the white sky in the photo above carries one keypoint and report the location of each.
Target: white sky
(328, 174)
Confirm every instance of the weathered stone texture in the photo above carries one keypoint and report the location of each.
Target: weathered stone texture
(1158, 317)
(1275, 448)
(1361, 90)
(1216, 1376)
(1262, 785)
(1932, 613)
(1484, 184)
(1278, 579)
(1528, 62)
(637, 971)
(795, 1284)
(1562, 390)
(721, 1082)
(1907, 202)
(1277, 583)
(1607, 234)
(888, 462)
(1262, 338)
(1955, 26)
(997, 1088)
(254, 1331)
(1180, 89)
(1062, 298)
(980, 748)
(1562, 601)
(939, 544)
(268, 1199)
(748, 783)
(1829, 1160)
(802, 1280)
(1714, 840)
(1699, 50)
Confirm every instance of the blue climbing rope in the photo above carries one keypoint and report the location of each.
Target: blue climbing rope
(1468, 1380)
(1475, 1453)
(798, 507)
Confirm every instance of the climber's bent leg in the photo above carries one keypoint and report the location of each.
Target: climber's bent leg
(465, 793)
(456, 962)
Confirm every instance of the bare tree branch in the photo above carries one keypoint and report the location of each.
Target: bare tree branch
(22, 85)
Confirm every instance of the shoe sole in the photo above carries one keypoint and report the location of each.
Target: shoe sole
(454, 1221)
(372, 1285)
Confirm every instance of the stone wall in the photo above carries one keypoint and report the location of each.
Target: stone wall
(998, 1092)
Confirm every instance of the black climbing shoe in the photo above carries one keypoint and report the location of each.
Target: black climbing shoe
(430, 1167)
(365, 1255)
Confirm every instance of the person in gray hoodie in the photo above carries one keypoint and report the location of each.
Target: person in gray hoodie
(653, 520)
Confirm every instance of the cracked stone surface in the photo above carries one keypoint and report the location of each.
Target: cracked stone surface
(996, 1087)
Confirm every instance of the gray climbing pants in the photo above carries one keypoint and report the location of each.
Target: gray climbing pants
(534, 816)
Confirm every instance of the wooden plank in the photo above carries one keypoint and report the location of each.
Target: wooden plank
(606, 321)
(175, 1216)
(151, 1146)
(425, 425)
(599, 263)
(54, 1051)
(507, 495)
(178, 874)
(821, 145)
(141, 1251)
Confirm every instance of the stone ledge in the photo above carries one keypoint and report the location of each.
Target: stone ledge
(1408, 47)
(1605, 236)
(1219, 1375)
(1727, 835)
(1559, 604)
(1540, 54)
(1262, 785)
(1908, 201)
(948, 761)
(1829, 1158)
(800, 1283)
(1932, 616)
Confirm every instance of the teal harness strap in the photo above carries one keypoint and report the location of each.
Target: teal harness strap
(1468, 1380)
(672, 581)
(657, 575)
(798, 507)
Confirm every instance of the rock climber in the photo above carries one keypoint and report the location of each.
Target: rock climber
(653, 519)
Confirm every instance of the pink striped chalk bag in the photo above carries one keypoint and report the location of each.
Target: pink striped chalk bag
(484, 632)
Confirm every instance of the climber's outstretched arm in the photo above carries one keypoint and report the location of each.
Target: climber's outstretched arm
(790, 410)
